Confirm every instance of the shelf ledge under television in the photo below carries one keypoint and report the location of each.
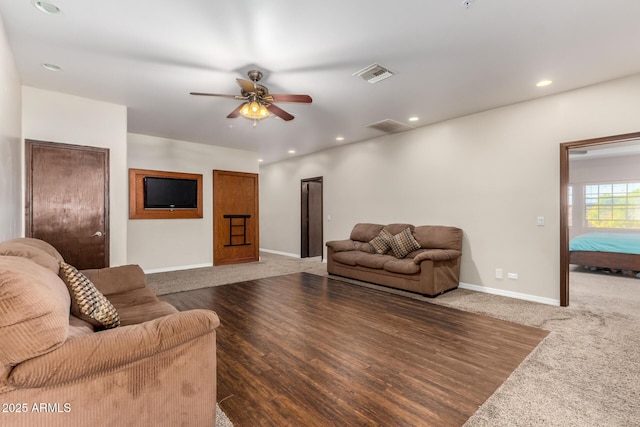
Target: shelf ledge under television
(136, 196)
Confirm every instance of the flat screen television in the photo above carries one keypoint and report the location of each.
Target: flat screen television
(170, 193)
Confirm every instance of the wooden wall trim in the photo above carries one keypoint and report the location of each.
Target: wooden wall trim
(136, 196)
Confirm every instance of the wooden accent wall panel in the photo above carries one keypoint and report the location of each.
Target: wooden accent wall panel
(235, 218)
(136, 196)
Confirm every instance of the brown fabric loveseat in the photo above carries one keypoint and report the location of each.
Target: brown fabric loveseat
(158, 368)
(429, 268)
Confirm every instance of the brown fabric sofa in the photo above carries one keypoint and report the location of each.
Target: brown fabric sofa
(157, 369)
(432, 269)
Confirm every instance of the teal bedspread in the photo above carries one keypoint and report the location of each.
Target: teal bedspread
(626, 243)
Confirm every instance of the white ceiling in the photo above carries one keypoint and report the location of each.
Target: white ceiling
(450, 61)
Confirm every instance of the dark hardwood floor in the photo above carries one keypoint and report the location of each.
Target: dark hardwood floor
(305, 350)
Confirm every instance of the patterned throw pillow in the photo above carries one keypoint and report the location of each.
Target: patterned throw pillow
(403, 243)
(87, 302)
(382, 242)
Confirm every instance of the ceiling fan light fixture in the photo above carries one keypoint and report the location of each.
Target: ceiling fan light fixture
(254, 110)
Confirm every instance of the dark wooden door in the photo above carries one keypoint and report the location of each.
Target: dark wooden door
(311, 234)
(67, 201)
(235, 217)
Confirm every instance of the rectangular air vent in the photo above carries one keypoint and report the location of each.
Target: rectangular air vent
(374, 73)
(389, 126)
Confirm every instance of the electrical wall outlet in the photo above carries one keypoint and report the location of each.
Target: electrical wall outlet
(499, 273)
(513, 276)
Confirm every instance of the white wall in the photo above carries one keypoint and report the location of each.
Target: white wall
(169, 244)
(492, 174)
(599, 170)
(11, 212)
(57, 117)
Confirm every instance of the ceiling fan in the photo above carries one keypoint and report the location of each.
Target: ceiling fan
(258, 102)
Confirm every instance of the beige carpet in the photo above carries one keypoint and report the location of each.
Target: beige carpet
(221, 418)
(268, 266)
(585, 373)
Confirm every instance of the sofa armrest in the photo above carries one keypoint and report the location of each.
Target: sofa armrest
(342, 245)
(115, 280)
(93, 354)
(437, 255)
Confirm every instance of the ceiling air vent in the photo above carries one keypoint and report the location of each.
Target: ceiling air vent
(389, 126)
(374, 73)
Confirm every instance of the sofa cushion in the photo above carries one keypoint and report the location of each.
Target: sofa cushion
(402, 266)
(142, 313)
(397, 228)
(342, 245)
(382, 242)
(348, 258)
(436, 255)
(364, 247)
(133, 298)
(40, 244)
(115, 280)
(403, 243)
(438, 237)
(87, 302)
(78, 327)
(37, 255)
(364, 232)
(373, 260)
(35, 310)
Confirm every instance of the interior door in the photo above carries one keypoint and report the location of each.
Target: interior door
(235, 217)
(312, 240)
(67, 200)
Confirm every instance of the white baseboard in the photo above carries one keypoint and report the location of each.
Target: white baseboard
(510, 294)
(177, 268)
(269, 251)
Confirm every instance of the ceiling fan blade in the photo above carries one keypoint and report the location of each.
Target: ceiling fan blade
(235, 113)
(283, 97)
(246, 85)
(274, 109)
(216, 94)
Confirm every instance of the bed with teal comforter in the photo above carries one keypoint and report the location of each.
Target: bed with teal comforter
(619, 251)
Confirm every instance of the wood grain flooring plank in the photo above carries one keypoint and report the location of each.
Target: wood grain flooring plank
(305, 350)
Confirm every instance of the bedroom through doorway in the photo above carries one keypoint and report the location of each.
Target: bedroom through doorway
(599, 209)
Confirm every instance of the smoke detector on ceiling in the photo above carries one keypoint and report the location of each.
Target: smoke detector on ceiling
(374, 73)
(467, 3)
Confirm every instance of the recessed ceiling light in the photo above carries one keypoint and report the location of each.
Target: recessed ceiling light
(292, 151)
(46, 7)
(51, 67)
(544, 83)
(340, 138)
(260, 160)
(414, 119)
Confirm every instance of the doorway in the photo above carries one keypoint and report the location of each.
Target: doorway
(311, 230)
(564, 201)
(67, 200)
